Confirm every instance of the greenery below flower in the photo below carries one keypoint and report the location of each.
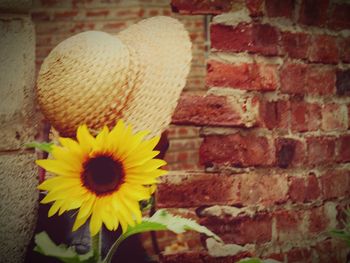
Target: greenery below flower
(160, 221)
(343, 234)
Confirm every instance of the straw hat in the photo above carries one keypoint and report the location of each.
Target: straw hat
(97, 78)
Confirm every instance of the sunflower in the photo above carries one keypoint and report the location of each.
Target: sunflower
(104, 177)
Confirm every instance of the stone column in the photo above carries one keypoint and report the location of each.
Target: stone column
(18, 125)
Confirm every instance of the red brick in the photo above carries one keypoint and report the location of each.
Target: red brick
(257, 229)
(318, 221)
(344, 49)
(274, 114)
(210, 110)
(201, 6)
(344, 149)
(295, 45)
(255, 38)
(339, 18)
(299, 116)
(277, 8)
(324, 49)
(236, 150)
(231, 38)
(263, 189)
(335, 184)
(320, 80)
(313, 12)
(242, 76)
(97, 13)
(304, 189)
(314, 116)
(264, 40)
(297, 255)
(289, 225)
(334, 117)
(64, 15)
(255, 7)
(343, 82)
(204, 189)
(293, 78)
(200, 257)
(329, 251)
(320, 150)
(289, 152)
(40, 16)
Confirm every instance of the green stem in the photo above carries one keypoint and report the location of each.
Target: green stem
(96, 241)
(114, 248)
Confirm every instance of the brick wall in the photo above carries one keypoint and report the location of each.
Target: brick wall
(56, 20)
(275, 132)
(19, 123)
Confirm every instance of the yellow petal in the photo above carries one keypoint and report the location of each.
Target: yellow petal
(115, 136)
(57, 167)
(95, 222)
(135, 142)
(101, 140)
(85, 139)
(86, 207)
(79, 222)
(149, 166)
(135, 192)
(66, 156)
(134, 207)
(139, 158)
(54, 208)
(122, 210)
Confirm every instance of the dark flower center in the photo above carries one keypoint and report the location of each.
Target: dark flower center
(102, 174)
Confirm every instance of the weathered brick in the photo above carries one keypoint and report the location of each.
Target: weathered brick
(320, 80)
(313, 12)
(236, 150)
(65, 15)
(319, 220)
(299, 116)
(289, 152)
(344, 149)
(304, 189)
(320, 150)
(264, 189)
(339, 17)
(289, 225)
(255, 7)
(205, 189)
(343, 82)
(97, 13)
(335, 184)
(324, 49)
(274, 114)
(314, 116)
(334, 117)
(295, 45)
(293, 78)
(255, 38)
(200, 7)
(256, 229)
(344, 49)
(200, 257)
(276, 8)
(230, 38)
(330, 250)
(214, 110)
(296, 255)
(242, 76)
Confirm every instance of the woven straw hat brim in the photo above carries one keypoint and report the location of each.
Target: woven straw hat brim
(96, 78)
(163, 47)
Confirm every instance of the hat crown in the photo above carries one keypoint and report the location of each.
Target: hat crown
(91, 62)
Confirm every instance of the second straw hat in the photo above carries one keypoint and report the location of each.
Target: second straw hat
(95, 78)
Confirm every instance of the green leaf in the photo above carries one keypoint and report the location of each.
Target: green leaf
(45, 246)
(161, 220)
(179, 224)
(43, 146)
